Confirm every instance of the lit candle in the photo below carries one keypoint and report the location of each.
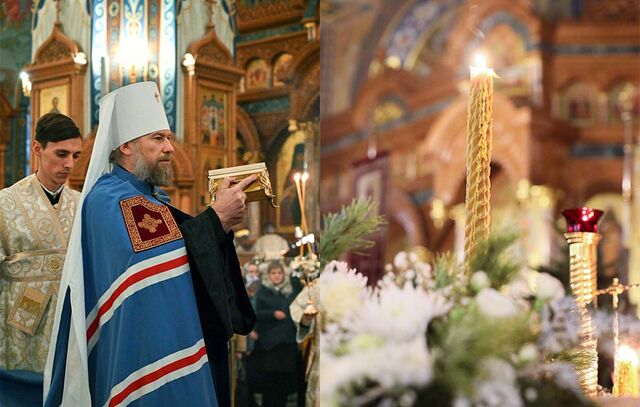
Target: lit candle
(296, 178)
(626, 372)
(479, 136)
(305, 226)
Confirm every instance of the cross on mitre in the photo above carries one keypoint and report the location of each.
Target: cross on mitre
(157, 96)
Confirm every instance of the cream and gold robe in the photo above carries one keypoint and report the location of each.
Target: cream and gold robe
(33, 237)
(311, 333)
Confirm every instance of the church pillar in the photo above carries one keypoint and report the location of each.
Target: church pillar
(537, 224)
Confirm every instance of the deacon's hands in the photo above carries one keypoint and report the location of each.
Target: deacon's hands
(230, 204)
(279, 315)
(307, 319)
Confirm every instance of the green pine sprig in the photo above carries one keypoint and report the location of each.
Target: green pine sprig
(492, 257)
(347, 230)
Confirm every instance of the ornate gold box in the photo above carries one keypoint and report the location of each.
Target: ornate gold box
(258, 190)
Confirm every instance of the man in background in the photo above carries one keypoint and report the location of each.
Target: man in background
(36, 215)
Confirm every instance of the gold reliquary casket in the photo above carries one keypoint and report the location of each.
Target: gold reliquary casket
(258, 190)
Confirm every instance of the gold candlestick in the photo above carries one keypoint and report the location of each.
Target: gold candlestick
(626, 373)
(582, 236)
(303, 210)
(479, 139)
(296, 179)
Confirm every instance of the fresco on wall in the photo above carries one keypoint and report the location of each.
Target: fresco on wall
(54, 100)
(279, 66)
(507, 55)
(579, 104)
(257, 74)
(213, 113)
(615, 101)
(15, 43)
(290, 161)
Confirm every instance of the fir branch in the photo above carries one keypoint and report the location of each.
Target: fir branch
(446, 270)
(492, 257)
(580, 358)
(464, 341)
(346, 230)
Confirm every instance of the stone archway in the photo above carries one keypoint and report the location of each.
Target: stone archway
(303, 74)
(483, 16)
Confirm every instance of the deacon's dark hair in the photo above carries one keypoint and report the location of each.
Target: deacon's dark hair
(55, 127)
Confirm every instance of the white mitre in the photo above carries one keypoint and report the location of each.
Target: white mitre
(125, 114)
(132, 111)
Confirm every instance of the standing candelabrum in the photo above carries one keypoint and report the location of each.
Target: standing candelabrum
(306, 265)
(582, 236)
(479, 141)
(625, 368)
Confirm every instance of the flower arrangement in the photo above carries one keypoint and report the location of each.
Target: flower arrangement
(305, 267)
(439, 335)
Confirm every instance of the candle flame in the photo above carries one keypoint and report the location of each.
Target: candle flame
(296, 177)
(480, 61)
(626, 354)
(480, 67)
(305, 177)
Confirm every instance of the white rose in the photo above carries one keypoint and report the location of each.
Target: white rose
(495, 305)
(479, 280)
(548, 287)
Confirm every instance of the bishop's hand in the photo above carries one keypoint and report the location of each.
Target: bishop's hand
(230, 204)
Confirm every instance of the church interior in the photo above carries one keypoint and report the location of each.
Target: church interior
(565, 120)
(384, 101)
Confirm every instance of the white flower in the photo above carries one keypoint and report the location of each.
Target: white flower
(479, 280)
(461, 401)
(531, 394)
(497, 394)
(498, 386)
(495, 305)
(523, 284)
(397, 313)
(564, 375)
(406, 364)
(401, 261)
(423, 269)
(528, 353)
(498, 370)
(393, 366)
(548, 287)
(341, 291)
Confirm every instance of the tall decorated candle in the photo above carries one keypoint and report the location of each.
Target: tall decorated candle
(479, 139)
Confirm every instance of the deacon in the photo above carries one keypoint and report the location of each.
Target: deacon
(153, 295)
(36, 215)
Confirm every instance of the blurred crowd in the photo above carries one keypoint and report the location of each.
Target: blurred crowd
(271, 361)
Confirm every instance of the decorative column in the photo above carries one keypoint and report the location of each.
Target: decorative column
(582, 236)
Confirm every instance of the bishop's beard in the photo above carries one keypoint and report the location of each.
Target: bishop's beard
(152, 172)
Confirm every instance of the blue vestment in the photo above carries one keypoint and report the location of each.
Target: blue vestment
(145, 304)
